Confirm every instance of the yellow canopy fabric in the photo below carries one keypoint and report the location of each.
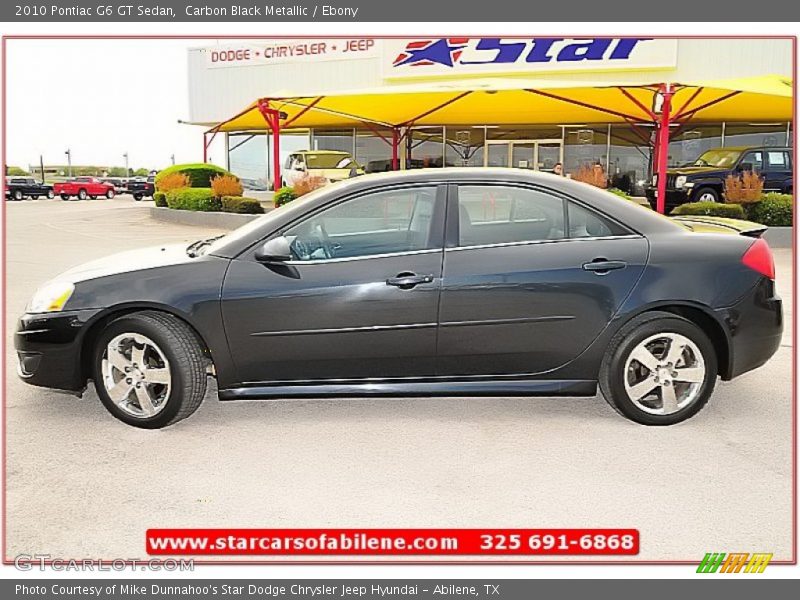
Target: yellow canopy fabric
(517, 101)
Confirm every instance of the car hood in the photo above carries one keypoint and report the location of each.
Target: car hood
(334, 174)
(124, 262)
(697, 170)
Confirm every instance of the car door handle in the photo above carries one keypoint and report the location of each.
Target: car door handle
(407, 281)
(601, 266)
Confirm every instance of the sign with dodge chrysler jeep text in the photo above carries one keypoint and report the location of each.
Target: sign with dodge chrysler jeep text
(459, 56)
(289, 51)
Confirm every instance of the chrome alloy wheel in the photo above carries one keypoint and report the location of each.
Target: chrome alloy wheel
(136, 375)
(664, 373)
(707, 197)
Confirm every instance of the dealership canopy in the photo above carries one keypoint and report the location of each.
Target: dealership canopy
(514, 101)
(518, 101)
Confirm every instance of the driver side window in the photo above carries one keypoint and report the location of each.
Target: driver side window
(385, 222)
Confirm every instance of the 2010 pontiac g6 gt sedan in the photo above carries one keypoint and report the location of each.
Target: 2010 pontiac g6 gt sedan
(455, 282)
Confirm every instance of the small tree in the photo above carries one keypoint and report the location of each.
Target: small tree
(15, 171)
(173, 181)
(744, 189)
(226, 185)
(308, 183)
(592, 175)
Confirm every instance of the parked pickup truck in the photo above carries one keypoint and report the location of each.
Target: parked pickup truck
(18, 188)
(704, 180)
(84, 187)
(141, 187)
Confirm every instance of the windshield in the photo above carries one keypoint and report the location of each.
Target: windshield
(329, 161)
(717, 158)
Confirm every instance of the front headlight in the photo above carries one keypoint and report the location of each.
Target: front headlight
(655, 180)
(51, 297)
(680, 181)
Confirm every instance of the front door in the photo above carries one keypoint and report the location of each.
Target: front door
(530, 280)
(358, 300)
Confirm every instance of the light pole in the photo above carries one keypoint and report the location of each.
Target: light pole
(69, 162)
(127, 170)
(172, 158)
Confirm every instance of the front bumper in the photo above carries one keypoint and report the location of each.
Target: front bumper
(673, 197)
(49, 349)
(755, 328)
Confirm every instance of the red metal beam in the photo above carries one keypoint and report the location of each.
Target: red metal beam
(273, 119)
(302, 112)
(435, 109)
(636, 101)
(663, 149)
(395, 148)
(692, 112)
(689, 101)
(608, 111)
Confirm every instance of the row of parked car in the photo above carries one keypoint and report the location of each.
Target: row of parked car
(19, 188)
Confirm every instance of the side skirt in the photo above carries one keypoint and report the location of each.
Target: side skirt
(417, 388)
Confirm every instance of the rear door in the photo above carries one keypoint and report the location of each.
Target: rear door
(530, 279)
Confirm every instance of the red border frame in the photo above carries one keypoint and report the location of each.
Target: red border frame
(3, 328)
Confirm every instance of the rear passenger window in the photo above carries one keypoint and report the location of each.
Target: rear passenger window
(778, 159)
(585, 223)
(493, 214)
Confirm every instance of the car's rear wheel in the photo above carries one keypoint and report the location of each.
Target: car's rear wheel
(706, 194)
(149, 369)
(110, 194)
(17, 195)
(81, 194)
(660, 369)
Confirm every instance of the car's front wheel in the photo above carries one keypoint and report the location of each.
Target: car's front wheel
(110, 194)
(660, 369)
(149, 369)
(81, 194)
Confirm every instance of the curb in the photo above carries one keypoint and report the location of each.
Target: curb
(779, 237)
(212, 220)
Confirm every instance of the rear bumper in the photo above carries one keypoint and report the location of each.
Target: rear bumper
(755, 328)
(49, 349)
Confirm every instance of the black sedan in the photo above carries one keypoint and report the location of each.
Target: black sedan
(456, 282)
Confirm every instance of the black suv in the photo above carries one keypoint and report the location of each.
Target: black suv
(704, 179)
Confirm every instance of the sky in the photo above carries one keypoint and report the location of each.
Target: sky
(100, 99)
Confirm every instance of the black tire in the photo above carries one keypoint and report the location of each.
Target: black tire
(93, 197)
(81, 194)
(187, 361)
(35, 197)
(640, 328)
(17, 195)
(138, 197)
(65, 196)
(110, 194)
(712, 195)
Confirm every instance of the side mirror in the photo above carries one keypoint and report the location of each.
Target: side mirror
(275, 250)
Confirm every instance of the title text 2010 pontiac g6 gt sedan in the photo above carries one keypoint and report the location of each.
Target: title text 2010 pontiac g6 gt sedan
(457, 282)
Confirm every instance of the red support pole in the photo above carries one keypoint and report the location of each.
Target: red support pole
(663, 149)
(395, 149)
(276, 152)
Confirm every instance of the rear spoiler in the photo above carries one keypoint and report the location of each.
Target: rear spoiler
(737, 226)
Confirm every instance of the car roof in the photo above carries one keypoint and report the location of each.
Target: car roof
(322, 152)
(742, 148)
(640, 219)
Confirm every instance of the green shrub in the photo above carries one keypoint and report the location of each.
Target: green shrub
(774, 210)
(710, 209)
(284, 195)
(160, 199)
(199, 174)
(201, 199)
(620, 193)
(244, 206)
